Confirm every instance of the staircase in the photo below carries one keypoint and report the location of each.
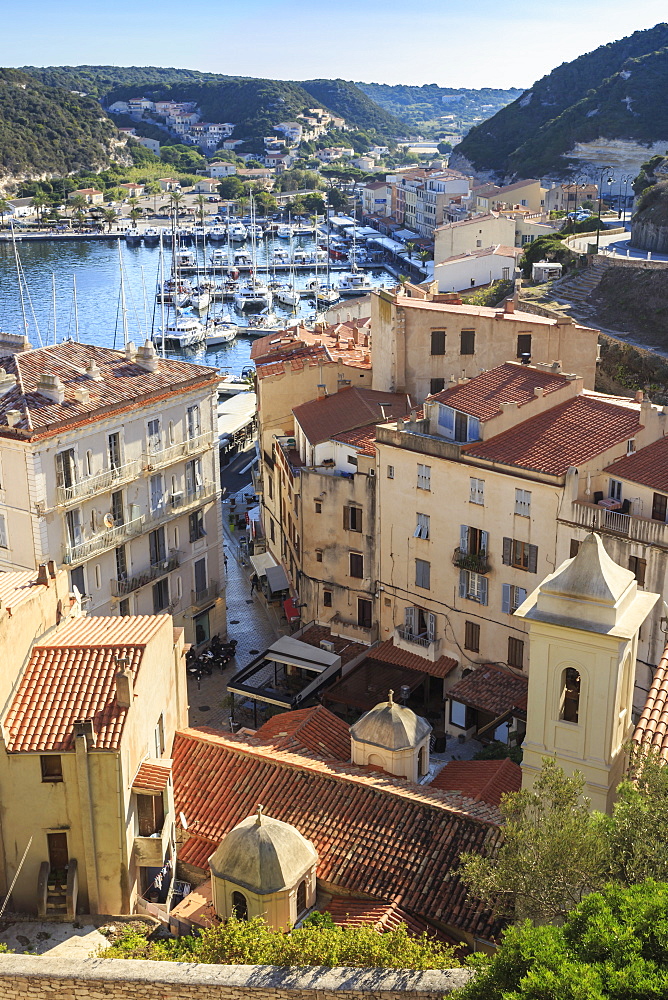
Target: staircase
(56, 895)
(577, 292)
(57, 891)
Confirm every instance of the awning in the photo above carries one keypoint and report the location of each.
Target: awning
(292, 613)
(406, 234)
(261, 562)
(253, 514)
(300, 654)
(367, 684)
(152, 776)
(277, 579)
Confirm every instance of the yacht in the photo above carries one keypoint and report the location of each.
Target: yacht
(217, 233)
(253, 295)
(242, 258)
(133, 236)
(288, 296)
(354, 283)
(284, 232)
(236, 232)
(166, 234)
(254, 230)
(186, 258)
(324, 294)
(151, 236)
(200, 298)
(176, 293)
(280, 255)
(185, 237)
(219, 258)
(221, 330)
(184, 331)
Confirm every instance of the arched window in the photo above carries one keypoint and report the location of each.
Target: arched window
(422, 762)
(301, 897)
(570, 695)
(239, 906)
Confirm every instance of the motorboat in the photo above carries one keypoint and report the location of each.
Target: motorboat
(184, 331)
(354, 283)
(324, 294)
(217, 233)
(219, 258)
(259, 326)
(280, 255)
(200, 299)
(133, 235)
(299, 257)
(254, 230)
(230, 385)
(236, 232)
(166, 234)
(288, 296)
(221, 331)
(316, 257)
(151, 236)
(186, 258)
(176, 293)
(284, 232)
(185, 237)
(242, 258)
(253, 295)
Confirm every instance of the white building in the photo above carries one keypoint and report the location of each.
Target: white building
(151, 144)
(222, 169)
(108, 466)
(477, 267)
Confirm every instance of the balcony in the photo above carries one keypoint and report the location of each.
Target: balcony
(350, 629)
(476, 562)
(101, 482)
(121, 588)
(422, 645)
(209, 593)
(161, 457)
(180, 503)
(104, 540)
(150, 851)
(613, 522)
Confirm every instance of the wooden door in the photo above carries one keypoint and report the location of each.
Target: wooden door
(58, 854)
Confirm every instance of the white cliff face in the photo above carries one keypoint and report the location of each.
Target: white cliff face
(623, 156)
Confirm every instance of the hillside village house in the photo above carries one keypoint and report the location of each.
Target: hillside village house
(525, 194)
(133, 190)
(21, 208)
(477, 267)
(455, 238)
(152, 144)
(85, 755)
(109, 468)
(205, 185)
(568, 197)
(220, 169)
(91, 195)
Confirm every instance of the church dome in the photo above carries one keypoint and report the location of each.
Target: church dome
(391, 726)
(263, 854)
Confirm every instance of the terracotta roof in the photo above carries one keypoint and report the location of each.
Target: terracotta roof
(312, 729)
(468, 222)
(492, 689)
(152, 776)
(348, 911)
(648, 466)
(465, 310)
(71, 677)
(292, 359)
(373, 833)
(498, 250)
(347, 649)
(197, 907)
(480, 779)
(122, 385)
(346, 409)
(517, 185)
(361, 438)
(336, 343)
(569, 434)
(17, 586)
(387, 652)
(483, 395)
(652, 728)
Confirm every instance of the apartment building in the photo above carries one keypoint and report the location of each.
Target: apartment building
(423, 340)
(525, 194)
(568, 197)
(477, 268)
(455, 238)
(514, 450)
(108, 467)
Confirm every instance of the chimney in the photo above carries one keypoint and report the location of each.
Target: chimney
(539, 391)
(556, 367)
(13, 417)
(51, 565)
(7, 382)
(130, 350)
(147, 358)
(509, 306)
(322, 391)
(123, 688)
(640, 395)
(92, 371)
(506, 407)
(42, 575)
(82, 394)
(51, 387)
(84, 727)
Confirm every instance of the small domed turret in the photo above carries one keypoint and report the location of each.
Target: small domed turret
(392, 737)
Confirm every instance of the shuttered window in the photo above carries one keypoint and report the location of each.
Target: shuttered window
(356, 565)
(512, 597)
(472, 636)
(521, 555)
(515, 652)
(638, 567)
(352, 518)
(438, 341)
(423, 477)
(473, 586)
(422, 526)
(523, 502)
(477, 491)
(422, 573)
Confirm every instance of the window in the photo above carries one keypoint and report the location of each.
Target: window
(114, 451)
(124, 608)
(193, 421)
(390, 472)
(170, 432)
(523, 503)
(150, 814)
(196, 525)
(66, 469)
(575, 548)
(73, 521)
(477, 491)
(202, 627)
(78, 580)
(272, 530)
(157, 497)
(153, 435)
(456, 425)
(436, 385)
(301, 897)
(194, 479)
(159, 737)
(160, 596)
(638, 567)
(473, 541)
(4, 544)
(615, 489)
(659, 507)
(511, 598)
(200, 577)
(472, 636)
(89, 463)
(318, 555)
(422, 573)
(352, 518)
(461, 715)
(52, 767)
(422, 527)
(438, 341)
(515, 652)
(318, 507)
(117, 508)
(121, 563)
(363, 612)
(239, 906)
(356, 565)
(569, 708)
(424, 477)
(473, 586)
(631, 446)
(270, 486)
(352, 460)
(327, 598)
(521, 555)
(467, 342)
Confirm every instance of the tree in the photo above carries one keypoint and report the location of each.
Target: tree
(109, 216)
(410, 246)
(38, 203)
(638, 829)
(314, 203)
(153, 189)
(265, 202)
(175, 198)
(80, 216)
(78, 203)
(337, 200)
(554, 851)
(231, 188)
(545, 248)
(200, 201)
(612, 945)
(4, 210)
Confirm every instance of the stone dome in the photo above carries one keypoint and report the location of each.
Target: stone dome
(391, 726)
(263, 854)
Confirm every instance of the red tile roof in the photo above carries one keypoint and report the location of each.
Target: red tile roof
(321, 419)
(374, 834)
(312, 729)
(17, 586)
(569, 434)
(152, 776)
(483, 395)
(71, 677)
(387, 652)
(480, 779)
(492, 689)
(361, 438)
(347, 649)
(123, 385)
(647, 467)
(652, 728)
(327, 345)
(348, 911)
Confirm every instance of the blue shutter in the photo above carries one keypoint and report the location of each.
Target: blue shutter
(521, 596)
(483, 542)
(473, 433)
(505, 599)
(483, 590)
(464, 538)
(409, 620)
(431, 627)
(507, 551)
(462, 583)
(446, 420)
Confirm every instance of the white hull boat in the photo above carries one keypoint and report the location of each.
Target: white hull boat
(186, 331)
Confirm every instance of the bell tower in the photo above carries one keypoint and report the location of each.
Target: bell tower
(584, 621)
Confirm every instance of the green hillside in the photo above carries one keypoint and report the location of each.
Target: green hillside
(49, 130)
(576, 102)
(418, 105)
(348, 101)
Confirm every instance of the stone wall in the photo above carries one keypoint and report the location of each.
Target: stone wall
(44, 978)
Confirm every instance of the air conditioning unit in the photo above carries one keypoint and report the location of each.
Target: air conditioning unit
(327, 645)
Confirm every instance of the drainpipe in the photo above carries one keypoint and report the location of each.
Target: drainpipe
(87, 825)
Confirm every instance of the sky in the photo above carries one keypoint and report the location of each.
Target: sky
(453, 43)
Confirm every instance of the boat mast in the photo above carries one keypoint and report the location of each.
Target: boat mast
(162, 293)
(143, 286)
(55, 316)
(19, 279)
(124, 312)
(76, 308)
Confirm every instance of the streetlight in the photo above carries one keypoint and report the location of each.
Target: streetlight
(622, 206)
(578, 182)
(605, 170)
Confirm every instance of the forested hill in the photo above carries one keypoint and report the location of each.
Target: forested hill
(618, 91)
(49, 130)
(428, 102)
(253, 104)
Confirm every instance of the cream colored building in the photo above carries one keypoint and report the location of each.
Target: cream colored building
(523, 194)
(108, 467)
(421, 341)
(476, 268)
(85, 768)
(584, 621)
(394, 738)
(481, 231)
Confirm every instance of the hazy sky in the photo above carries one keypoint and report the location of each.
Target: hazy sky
(454, 43)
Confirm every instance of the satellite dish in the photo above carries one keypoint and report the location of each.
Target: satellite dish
(108, 521)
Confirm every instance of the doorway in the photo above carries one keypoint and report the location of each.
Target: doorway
(58, 854)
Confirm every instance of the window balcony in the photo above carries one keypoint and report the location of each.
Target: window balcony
(181, 503)
(346, 628)
(477, 562)
(162, 457)
(150, 851)
(101, 482)
(613, 522)
(109, 539)
(209, 593)
(423, 645)
(121, 588)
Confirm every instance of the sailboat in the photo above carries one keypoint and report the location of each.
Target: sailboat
(254, 293)
(356, 281)
(183, 330)
(322, 291)
(288, 295)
